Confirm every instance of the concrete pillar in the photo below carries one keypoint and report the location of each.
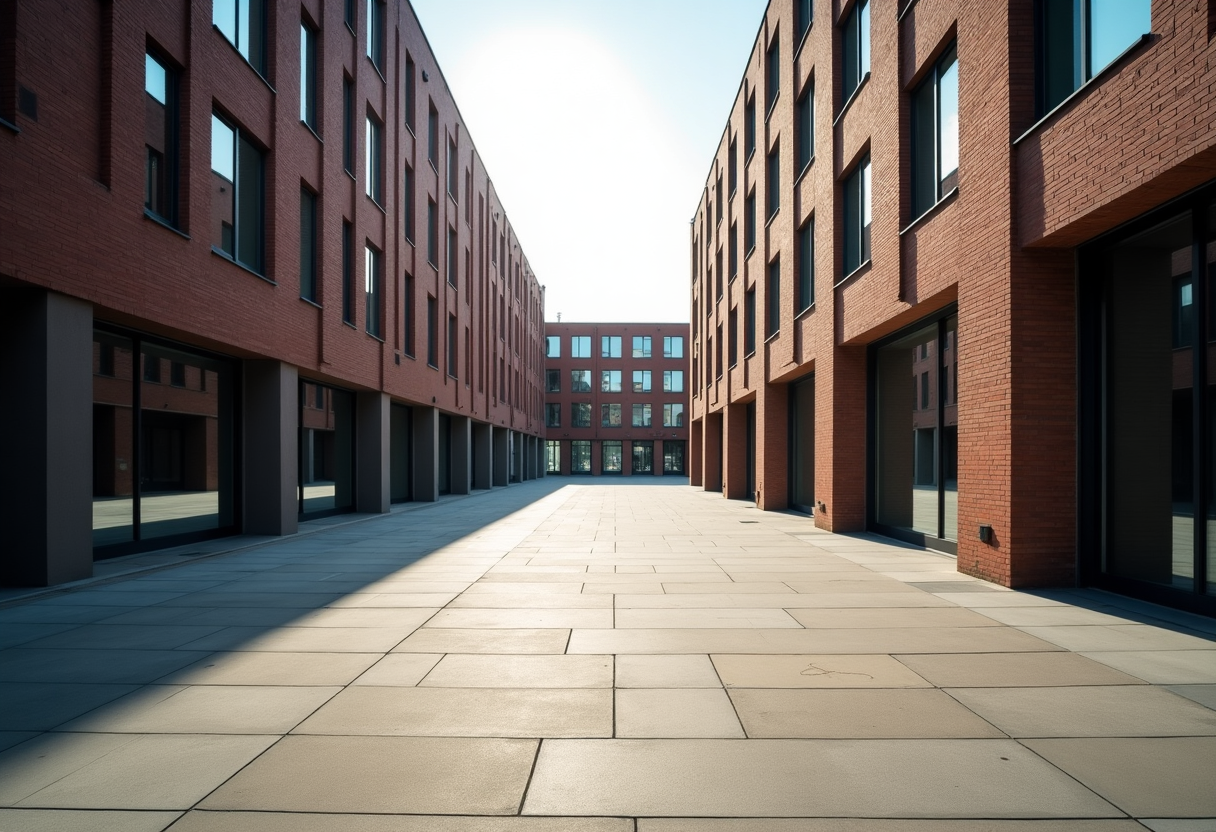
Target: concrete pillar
(712, 453)
(483, 456)
(773, 447)
(372, 459)
(271, 464)
(462, 449)
(426, 454)
(695, 453)
(46, 348)
(502, 456)
(735, 433)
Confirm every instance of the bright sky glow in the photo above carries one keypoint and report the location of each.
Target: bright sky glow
(598, 123)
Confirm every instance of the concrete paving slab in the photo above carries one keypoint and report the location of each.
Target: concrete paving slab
(1162, 667)
(511, 619)
(1121, 638)
(889, 617)
(431, 600)
(453, 640)
(405, 775)
(10, 738)
(14, 633)
(210, 821)
(522, 671)
(76, 820)
(22, 664)
(390, 618)
(1203, 694)
(40, 706)
(399, 670)
(534, 601)
(754, 619)
(305, 639)
(880, 825)
(679, 712)
(844, 714)
(815, 671)
(127, 636)
(1003, 670)
(667, 671)
(37, 612)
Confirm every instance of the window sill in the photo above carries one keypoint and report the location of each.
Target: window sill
(809, 309)
(310, 129)
(8, 125)
(802, 40)
(771, 337)
(852, 274)
(805, 168)
(904, 12)
(350, 324)
(931, 210)
(223, 255)
(376, 67)
(852, 97)
(376, 202)
(257, 71)
(312, 303)
(163, 223)
(433, 366)
(769, 219)
(772, 106)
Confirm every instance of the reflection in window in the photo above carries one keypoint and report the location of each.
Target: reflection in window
(610, 415)
(160, 139)
(580, 415)
(641, 416)
(673, 346)
(580, 381)
(857, 217)
(580, 456)
(935, 134)
(326, 453)
(855, 48)
(611, 457)
(641, 381)
(643, 457)
(237, 183)
(610, 346)
(1079, 39)
(243, 22)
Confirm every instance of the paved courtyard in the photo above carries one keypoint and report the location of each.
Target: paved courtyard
(571, 655)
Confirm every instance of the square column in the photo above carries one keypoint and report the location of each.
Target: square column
(46, 348)
(502, 456)
(462, 448)
(483, 455)
(735, 431)
(426, 454)
(712, 451)
(271, 464)
(372, 458)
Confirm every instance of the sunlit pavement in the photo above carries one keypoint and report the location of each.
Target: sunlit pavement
(565, 655)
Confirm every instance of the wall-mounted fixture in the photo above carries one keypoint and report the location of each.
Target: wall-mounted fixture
(986, 534)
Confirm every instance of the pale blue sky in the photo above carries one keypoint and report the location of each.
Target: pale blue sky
(598, 123)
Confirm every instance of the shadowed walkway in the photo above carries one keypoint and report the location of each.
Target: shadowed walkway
(566, 655)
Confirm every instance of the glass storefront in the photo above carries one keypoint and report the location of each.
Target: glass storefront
(611, 457)
(327, 450)
(802, 445)
(553, 455)
(163, 443)
(915, 478)
(580, 456)
(673, 456)
(643, 457)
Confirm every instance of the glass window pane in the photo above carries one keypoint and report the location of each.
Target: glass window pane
(223, 15)
(113, 455)
(863, 35)
(249, 206)
(948, 129)
(155, 79)
(326, 449)
(1211, 395)
(1114, 25)
(223, 149)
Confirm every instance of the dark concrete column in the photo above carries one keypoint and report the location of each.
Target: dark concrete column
(502, 456)
(712, 453)
(483, 467)
(426, 454)
(46, 348)
(372, 422)
(462, 463)
(271, 422)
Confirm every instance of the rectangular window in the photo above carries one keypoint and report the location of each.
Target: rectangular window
(643, 457)
(151, 369)
(453, 358)
(237, 181)
(749, 224)
(348, 125)
(610, 346)
(160, 139)
(749, 127)
(610, 381)
(553, 381)
(553, 346)
(772, 73)
(580, 456)
(432, 334)
(804, 127)
(432, 136)
(718, 272)
(348, 273)
(718, 352)
(806, 266)
(718, 196)
(308, 76)
(673, 381)
(641, 346)
(580, 381)
(243, 22)
(372, 292)
(857, 217)
(733, 245)
(407, 207)
(553, 415)
(374, 157)
(641, 381)
(673, 346)
(749, 322)
(177, 374)
(453, 257)
(924, 390)
(580, 346)
(774, 298)
(641, 416)
(580, 415)
(732, 167)
(855, 49)
(375, 33)
(673, 415)
(611, 457)
(610, 415)
(407, 315)
(348, 14)
(803, 16)
(453, 170)
(1079, 39)
(308, 245)
(553, 456)
(732, 335)
(410, 92)
(774, 180)
(935, 134)
(432, 233)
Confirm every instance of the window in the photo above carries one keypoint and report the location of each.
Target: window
(410, 92)
(407, 199)
(453, 257)
(177, 374)
(673, 381)
(804, 127)
(160, 136)
(407, 315)
(553, 415)
(857, 217)
(348, 125)
(641, 416)
(432, 336)
(732, 167)
(641, 381)
(643, 457)
(641, 346)
(1077, 40)
(308, 76)
(806, 265)
(151, 369)
(372, 292)
(772, 73)
(718, 196)
(348, 273)
(673, 415)
(855, 49)
(553, 346)
(673, 346)
(580, 346)
(580, 381)
(453, 358)
(803, 16)
(553, 381)
(375, 33)
(243, 22)
(718, 352)
(610, 381)
(374, 157)
(580, 456)
(774, 180)
(733, 245)
(749, 322)
(749, 127)
(308, 245)
(935, 134)
(610, 346)
(432, 136)
(718, 272)
(236, 167)
(924, 390)
(611, 457)
(348, 14)
(453, 183)
(432, 233)
(749, 223)
(774, 298)
(580, 415)
(553, 456)
(610, 415)
(732, 326)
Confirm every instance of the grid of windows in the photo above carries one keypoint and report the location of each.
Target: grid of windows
(935, 134)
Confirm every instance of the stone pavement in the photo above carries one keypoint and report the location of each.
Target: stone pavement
(571, 655)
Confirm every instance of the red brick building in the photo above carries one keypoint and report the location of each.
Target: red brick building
(952, 281)
(616, 398)
(252, 269)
